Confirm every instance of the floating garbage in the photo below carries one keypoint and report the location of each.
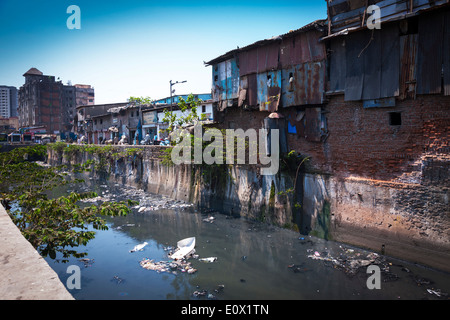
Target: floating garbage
(87, 262)
(210, 259)
(117, 280)
(437, 293)
(184, 247)
(210, 219)
(350, 262)
(139, 247)
(172, 267)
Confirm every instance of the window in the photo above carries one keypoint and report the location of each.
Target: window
(395, 118)
(203, 109)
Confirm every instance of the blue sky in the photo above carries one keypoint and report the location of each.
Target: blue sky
(134, 48)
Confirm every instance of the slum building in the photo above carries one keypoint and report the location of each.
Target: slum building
(96, 121)
(369, 107)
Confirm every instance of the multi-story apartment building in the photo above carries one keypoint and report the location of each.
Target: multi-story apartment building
(49, 104)
(8, 101)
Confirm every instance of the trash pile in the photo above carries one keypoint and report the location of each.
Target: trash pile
(350, 261)
(147, 201)
(178, 263)
(172, 267)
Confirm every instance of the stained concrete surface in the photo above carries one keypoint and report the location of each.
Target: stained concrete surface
(24, 274)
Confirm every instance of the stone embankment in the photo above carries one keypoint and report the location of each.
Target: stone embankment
(404, 219)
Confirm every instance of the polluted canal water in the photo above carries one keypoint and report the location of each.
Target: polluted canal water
(233, 259)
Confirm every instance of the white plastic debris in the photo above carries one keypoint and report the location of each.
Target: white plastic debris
(139, 247)
(210, 259)
(184, 247)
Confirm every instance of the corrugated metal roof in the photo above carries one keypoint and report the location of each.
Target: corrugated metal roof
(349, 15)
(315, 25)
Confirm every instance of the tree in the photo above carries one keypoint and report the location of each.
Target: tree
(140, 100)
(50, 225)
(189, 114)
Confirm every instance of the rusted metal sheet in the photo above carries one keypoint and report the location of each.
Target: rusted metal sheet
(303, 84)
(446, 57)
(248, 62)
(371, 55)
(273, 98)
(408, 54)
(225, 81)
(269, 84)
(267, 57)
(312, 124)
(429, 55)
(349, 14)
(337, 65)
(301, 48)
(252, 92)
(372, 64)
(390, 62)
(355, 66)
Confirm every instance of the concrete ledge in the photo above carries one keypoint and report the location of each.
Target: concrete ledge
(24, 274)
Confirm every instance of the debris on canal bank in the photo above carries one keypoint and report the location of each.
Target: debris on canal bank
(351, 261)
(147, 202)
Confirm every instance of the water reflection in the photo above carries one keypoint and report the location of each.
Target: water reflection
(254, 260)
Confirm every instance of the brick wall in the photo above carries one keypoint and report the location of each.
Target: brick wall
(363, 142)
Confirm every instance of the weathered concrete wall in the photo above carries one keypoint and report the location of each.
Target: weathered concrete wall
(405, 220)
(24, 274)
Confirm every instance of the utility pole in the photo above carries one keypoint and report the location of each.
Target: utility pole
(172, 91)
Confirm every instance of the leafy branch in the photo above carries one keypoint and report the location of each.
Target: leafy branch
(50, 225)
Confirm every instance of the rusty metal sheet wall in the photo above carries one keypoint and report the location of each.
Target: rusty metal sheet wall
(312, 124)
(349, 13)
(267, 57)
(372, 64)
(429, 67)
(446, 57)
(355, 66)
(252, 91)
(248, 62)
(268, 89)
(337, 65)
(408, 54)
(304, 47)
(390, 62)
(225, 80)
(307, 87)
